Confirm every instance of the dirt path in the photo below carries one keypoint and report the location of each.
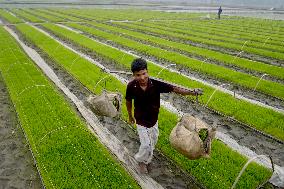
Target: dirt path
(17, 167)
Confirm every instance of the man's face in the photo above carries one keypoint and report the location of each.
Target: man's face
(141, 76)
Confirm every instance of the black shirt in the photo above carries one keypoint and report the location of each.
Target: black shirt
(146, 103)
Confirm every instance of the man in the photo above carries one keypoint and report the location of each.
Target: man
(219, 12)
(146, 94)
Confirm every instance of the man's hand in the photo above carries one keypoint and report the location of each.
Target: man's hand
(184, 91)
(131, 120)
(198, 91)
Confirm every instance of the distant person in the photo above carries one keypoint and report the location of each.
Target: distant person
(219, 12)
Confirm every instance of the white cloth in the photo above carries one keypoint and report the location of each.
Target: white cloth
(148, 139)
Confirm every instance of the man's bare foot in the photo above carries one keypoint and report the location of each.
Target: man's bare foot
(142, 168)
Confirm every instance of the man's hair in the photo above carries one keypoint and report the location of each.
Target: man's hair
(138, 64)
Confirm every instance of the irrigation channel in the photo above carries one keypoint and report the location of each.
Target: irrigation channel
(238, 92)
(230, 132)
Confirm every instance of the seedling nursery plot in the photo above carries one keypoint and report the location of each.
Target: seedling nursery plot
(67, 152)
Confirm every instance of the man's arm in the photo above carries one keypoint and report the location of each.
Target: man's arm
(183, 91)
(129, 110)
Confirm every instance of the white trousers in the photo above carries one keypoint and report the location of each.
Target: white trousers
(148, 139)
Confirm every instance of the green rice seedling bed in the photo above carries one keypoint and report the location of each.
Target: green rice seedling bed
(9, 17)
(243, 31)
(66, 18)
(221, 34)
(68, 155)
(242, 79)
(248, 113)
(208, 39)
(132, 14)
(210, 54)
(218, 172)
(26, 16)
(47, 17)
